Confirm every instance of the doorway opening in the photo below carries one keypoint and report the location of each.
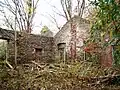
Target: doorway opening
(3, 49)
(62, 51)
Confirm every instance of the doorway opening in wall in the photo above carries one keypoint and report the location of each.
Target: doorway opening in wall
(3, 49)
(62, 51)
(38, 54)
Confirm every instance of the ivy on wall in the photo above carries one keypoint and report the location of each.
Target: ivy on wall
(105, 29)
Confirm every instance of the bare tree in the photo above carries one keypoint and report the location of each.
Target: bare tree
(80, 7)
(52, 18)
(23, 12)
(16, 3)
(68, 9)
(54, 21)
(26, 10)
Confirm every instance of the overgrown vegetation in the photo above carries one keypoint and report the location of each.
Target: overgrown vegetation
(74, 76)
(105, 29)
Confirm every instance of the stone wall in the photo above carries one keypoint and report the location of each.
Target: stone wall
(64, 35)
(33, 47)
(29, 47)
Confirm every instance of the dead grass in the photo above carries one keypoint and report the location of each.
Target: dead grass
(74, 76)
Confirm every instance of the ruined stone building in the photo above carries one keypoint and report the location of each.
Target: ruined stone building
(45, 48)
(63, 37)
(42, 48)
(29, 47)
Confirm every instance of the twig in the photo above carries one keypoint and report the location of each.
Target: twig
(9, 64)
(37, 64)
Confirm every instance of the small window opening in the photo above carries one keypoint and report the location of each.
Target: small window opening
(38, 54)
(38, 50)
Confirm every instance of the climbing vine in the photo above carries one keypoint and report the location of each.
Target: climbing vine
(105, 29)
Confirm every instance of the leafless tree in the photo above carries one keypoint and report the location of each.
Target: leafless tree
(22, 12)
(80, 7)
(52, 18)
(68, 9)
(26, 10)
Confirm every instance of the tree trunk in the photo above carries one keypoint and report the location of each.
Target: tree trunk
(73, 41)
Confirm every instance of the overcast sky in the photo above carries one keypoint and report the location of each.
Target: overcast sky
(44, 10)
(45, 7)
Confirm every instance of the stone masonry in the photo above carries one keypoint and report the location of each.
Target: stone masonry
(39, 48)
(29, 47)
(64, 35)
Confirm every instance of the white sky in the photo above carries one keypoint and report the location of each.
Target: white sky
(42, 17)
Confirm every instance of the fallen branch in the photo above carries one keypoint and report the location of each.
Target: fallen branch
(40, 66)
(9, 64)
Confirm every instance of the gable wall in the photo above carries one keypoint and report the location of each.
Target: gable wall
(64, 35)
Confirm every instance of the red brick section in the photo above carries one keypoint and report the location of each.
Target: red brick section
(106, 57)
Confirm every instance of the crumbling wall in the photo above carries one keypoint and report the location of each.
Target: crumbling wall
(33, 48)
(64, 35)
(30, 47)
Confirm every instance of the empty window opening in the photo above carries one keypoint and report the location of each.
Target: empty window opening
(38, 54)
(38, 50)
(62, 51)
